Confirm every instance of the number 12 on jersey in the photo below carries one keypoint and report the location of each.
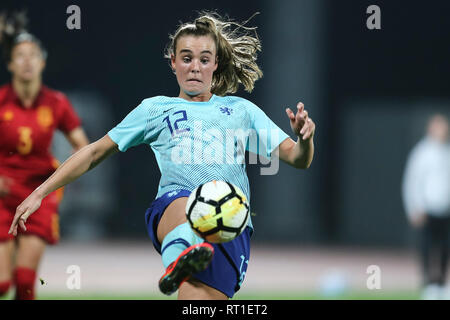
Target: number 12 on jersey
(176, 123)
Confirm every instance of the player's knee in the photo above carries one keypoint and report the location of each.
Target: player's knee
(4, 287)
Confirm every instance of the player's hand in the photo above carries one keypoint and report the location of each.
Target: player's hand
(5, 184)
(301, 124)
(23, 211)
(418, 220)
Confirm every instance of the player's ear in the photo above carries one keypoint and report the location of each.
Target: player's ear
(43, 65)
(172, 62)
(9, 66)
(217, 63)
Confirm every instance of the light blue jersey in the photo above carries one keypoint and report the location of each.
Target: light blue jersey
(196, 142)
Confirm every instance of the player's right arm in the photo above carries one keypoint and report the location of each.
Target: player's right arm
(79, 163)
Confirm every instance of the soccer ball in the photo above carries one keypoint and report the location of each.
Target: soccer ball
(217, 211)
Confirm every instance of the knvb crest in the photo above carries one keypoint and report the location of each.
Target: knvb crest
(226, 110)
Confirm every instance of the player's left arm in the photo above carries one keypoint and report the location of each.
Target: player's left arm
(299, 154)
(77, 138)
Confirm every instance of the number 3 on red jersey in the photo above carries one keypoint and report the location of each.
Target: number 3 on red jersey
(25, 143)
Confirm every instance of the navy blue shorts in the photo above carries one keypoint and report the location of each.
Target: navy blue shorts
(229, 264)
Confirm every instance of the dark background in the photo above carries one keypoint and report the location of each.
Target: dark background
(370, 93)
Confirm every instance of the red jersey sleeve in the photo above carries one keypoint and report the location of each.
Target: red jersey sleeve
(69, 119)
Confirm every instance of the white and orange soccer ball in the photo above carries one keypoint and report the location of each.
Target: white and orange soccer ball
(217, 211)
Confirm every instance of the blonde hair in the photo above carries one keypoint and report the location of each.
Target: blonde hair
(236, 47)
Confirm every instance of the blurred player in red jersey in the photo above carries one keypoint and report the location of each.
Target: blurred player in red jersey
(29, 115)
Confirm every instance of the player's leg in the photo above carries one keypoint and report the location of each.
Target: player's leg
(7, 246)
(42, 229)
(431, 290)
(446, 248)
(173, 232)
(29, 253)
(425, 252)
(183, 253)
(435, 226)
(173, 216)
(442, 247)
(6, 256)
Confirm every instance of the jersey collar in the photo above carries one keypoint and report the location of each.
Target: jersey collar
(15, 98)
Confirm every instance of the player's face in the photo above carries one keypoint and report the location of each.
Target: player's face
(26, 62)
(438, 128)
(194, 64)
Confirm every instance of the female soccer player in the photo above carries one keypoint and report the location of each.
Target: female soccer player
(210, 58)
(29, 115)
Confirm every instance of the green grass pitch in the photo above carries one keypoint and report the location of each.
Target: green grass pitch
(350, 295)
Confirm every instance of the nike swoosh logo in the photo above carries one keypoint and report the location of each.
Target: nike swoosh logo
(168, 110)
